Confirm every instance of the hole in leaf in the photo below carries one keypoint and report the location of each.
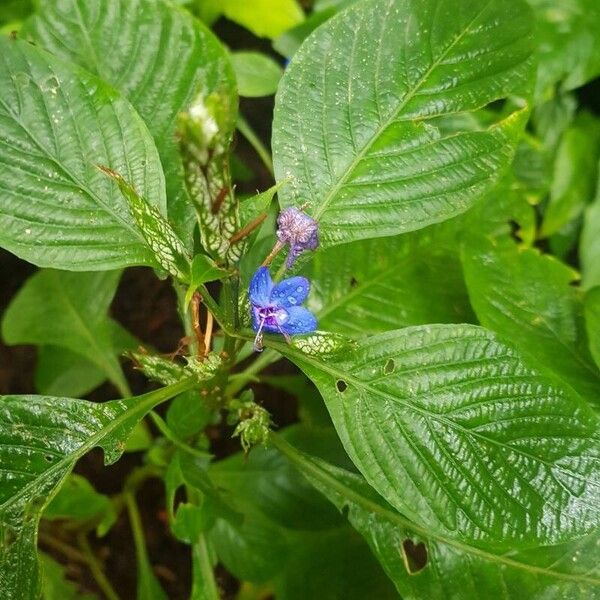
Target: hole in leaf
(515, 230)
(48, 458)
(414, 556)
(353, 282)
(389, 367)
(341, 385)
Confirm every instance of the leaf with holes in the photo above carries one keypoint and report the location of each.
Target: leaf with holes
(360, 116)
(41, 439)
(528, 299)
(423, 565)
(454, 430)
(56, 123)
(158, 56)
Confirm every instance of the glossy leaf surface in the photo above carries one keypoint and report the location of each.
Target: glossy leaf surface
(359, 125)
(158, 56)
(454, 430)
(57, 122)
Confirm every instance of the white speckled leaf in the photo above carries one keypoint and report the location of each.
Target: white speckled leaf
(450, 426)
(359, 116)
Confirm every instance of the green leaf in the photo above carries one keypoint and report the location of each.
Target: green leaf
(256, 74)
(289, 533)
(360, 121)
(69, 310)
(575, 174)
(592, 321)
(451, 569)
(188, 415)
(378, 285)
(77, 499)
(61, 372)
(589, 245)
(41, 439)
(203, 270)
(124, 42)
(264, 18)
(528, 299)
(450, 426)
(190, 522)
(568, 44)
(56, 123)
(56, 586)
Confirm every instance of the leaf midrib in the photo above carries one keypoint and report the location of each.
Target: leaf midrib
(357, 383)
(394, 517)
(394, 115)
(144, 404)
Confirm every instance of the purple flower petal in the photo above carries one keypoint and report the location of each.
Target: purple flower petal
(290, 292)
(260, 287)
(300, 320)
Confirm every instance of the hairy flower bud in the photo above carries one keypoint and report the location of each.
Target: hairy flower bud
(298, 230)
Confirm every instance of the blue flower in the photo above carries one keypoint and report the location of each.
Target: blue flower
(277, 308)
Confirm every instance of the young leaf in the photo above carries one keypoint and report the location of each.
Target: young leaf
(359, 120)
(61, 372)
(203, 270)
(528, 299)
(41, 439)
(378, 285)
(424, 565)
(589, 245)
(454, 430)
(264, 18)
(69, 310)
(256, 74)
(568, 44)
(124, 42)
(56, 123)
(592, 321)
(575, 174)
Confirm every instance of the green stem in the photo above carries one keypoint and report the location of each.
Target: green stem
(244, 128)
(204, 576)
(268, 357)
(121, 384)
(172, 437)
(95, 568)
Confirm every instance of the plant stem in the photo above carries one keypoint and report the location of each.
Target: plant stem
(204, 576)
(96, 568)
(267, 358)
(62, 547)
(244, 128)
(172, 437)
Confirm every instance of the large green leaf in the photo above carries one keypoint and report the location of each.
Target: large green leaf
(589, 245)
(41, 439)
(592, 321)
(528, 299)
(454, 430)
(360, 126)
(377, 285)
(157, 55)
(57, 123)
(69, 310)
(452, 570)
(290, 534)
(265, 18)
(568, 44)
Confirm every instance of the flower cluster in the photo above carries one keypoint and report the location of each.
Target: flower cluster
(277, 308)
